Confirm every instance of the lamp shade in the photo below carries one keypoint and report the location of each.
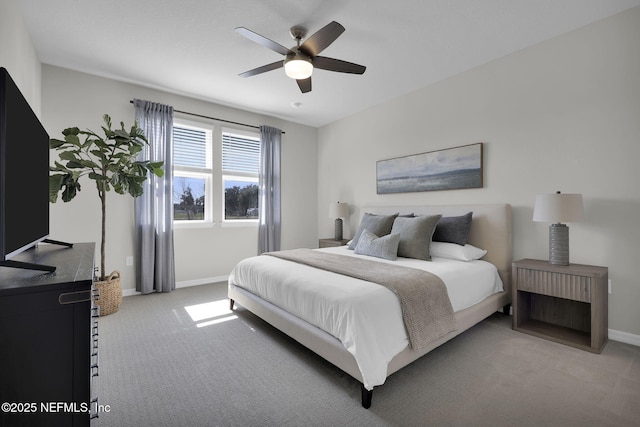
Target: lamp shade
(298, 67)
(558, 208)
(338, 210)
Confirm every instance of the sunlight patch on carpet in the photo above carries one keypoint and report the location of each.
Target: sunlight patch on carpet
(210, 313)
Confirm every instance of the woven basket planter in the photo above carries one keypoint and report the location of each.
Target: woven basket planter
(110, 294)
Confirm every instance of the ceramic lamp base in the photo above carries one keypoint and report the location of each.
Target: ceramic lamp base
(559, 244)
(338, 231)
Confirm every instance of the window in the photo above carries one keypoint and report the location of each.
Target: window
(197, 177)
(240, 168)
(192, 160)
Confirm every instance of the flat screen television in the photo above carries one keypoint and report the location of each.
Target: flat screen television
(24, 176)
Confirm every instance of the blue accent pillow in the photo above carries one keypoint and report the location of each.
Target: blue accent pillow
(380, 225)
(381, 247)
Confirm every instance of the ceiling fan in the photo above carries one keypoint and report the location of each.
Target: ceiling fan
(301, 59)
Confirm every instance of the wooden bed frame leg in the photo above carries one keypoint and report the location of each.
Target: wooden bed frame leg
(366, 397)
(231, 302)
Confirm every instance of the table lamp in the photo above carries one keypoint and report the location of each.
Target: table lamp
(558, 208)
(338, 211)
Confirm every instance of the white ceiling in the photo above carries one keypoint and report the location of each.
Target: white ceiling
(189, 47)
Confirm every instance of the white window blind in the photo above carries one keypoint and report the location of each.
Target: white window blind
(240, 154)
(189, 147)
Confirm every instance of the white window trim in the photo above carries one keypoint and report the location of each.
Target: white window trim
(194, 172)
(237, 222)
(239, 176)
(208, 214)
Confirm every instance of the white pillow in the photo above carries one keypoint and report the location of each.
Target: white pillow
(455, 251)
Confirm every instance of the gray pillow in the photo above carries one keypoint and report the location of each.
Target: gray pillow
(415, 235)
(453, 229)
(381, 247)
(380, 225)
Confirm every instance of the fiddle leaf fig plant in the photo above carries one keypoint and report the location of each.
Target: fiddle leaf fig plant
(109, 160)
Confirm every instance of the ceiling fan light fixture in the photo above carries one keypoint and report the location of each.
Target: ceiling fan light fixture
(298, 67)
(301, 59)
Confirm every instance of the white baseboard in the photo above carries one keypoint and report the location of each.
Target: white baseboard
(624, 337)
(183, 284)
(129, 292)
(198, 282)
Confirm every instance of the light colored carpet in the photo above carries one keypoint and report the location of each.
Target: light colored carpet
(181, 359)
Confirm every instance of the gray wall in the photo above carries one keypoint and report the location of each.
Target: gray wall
(17, 53)
(561, 115)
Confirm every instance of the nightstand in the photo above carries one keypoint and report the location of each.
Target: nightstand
(565, 304)
(331, 242)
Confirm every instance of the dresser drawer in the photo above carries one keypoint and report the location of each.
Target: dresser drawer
(573, 287)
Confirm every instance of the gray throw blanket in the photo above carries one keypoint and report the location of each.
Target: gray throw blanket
(426, 308)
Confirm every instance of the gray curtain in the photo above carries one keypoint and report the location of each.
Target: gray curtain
(269, 190)
(155, 266)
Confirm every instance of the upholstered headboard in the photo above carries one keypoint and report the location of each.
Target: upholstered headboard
(490, 229)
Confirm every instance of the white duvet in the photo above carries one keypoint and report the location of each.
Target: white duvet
(364, 316)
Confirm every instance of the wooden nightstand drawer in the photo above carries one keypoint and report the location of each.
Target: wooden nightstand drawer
(561, 285)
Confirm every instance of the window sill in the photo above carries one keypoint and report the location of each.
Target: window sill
(240, 223)
(224, 224)
(192, 224)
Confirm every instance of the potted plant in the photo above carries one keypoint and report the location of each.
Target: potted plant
(110, 161)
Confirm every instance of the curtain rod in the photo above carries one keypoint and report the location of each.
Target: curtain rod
(213, 118)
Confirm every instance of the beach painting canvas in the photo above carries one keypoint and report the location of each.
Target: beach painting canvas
(448, 169)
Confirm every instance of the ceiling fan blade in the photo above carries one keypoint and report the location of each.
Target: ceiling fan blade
(322, 38)
(263, 69)
(338, 65)
(304, 85)
(262, 41)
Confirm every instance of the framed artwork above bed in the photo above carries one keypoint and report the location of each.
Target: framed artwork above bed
(448, 169)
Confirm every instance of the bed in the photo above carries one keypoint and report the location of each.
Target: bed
(269, 285)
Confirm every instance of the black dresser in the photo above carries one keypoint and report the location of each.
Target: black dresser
(49, 339)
